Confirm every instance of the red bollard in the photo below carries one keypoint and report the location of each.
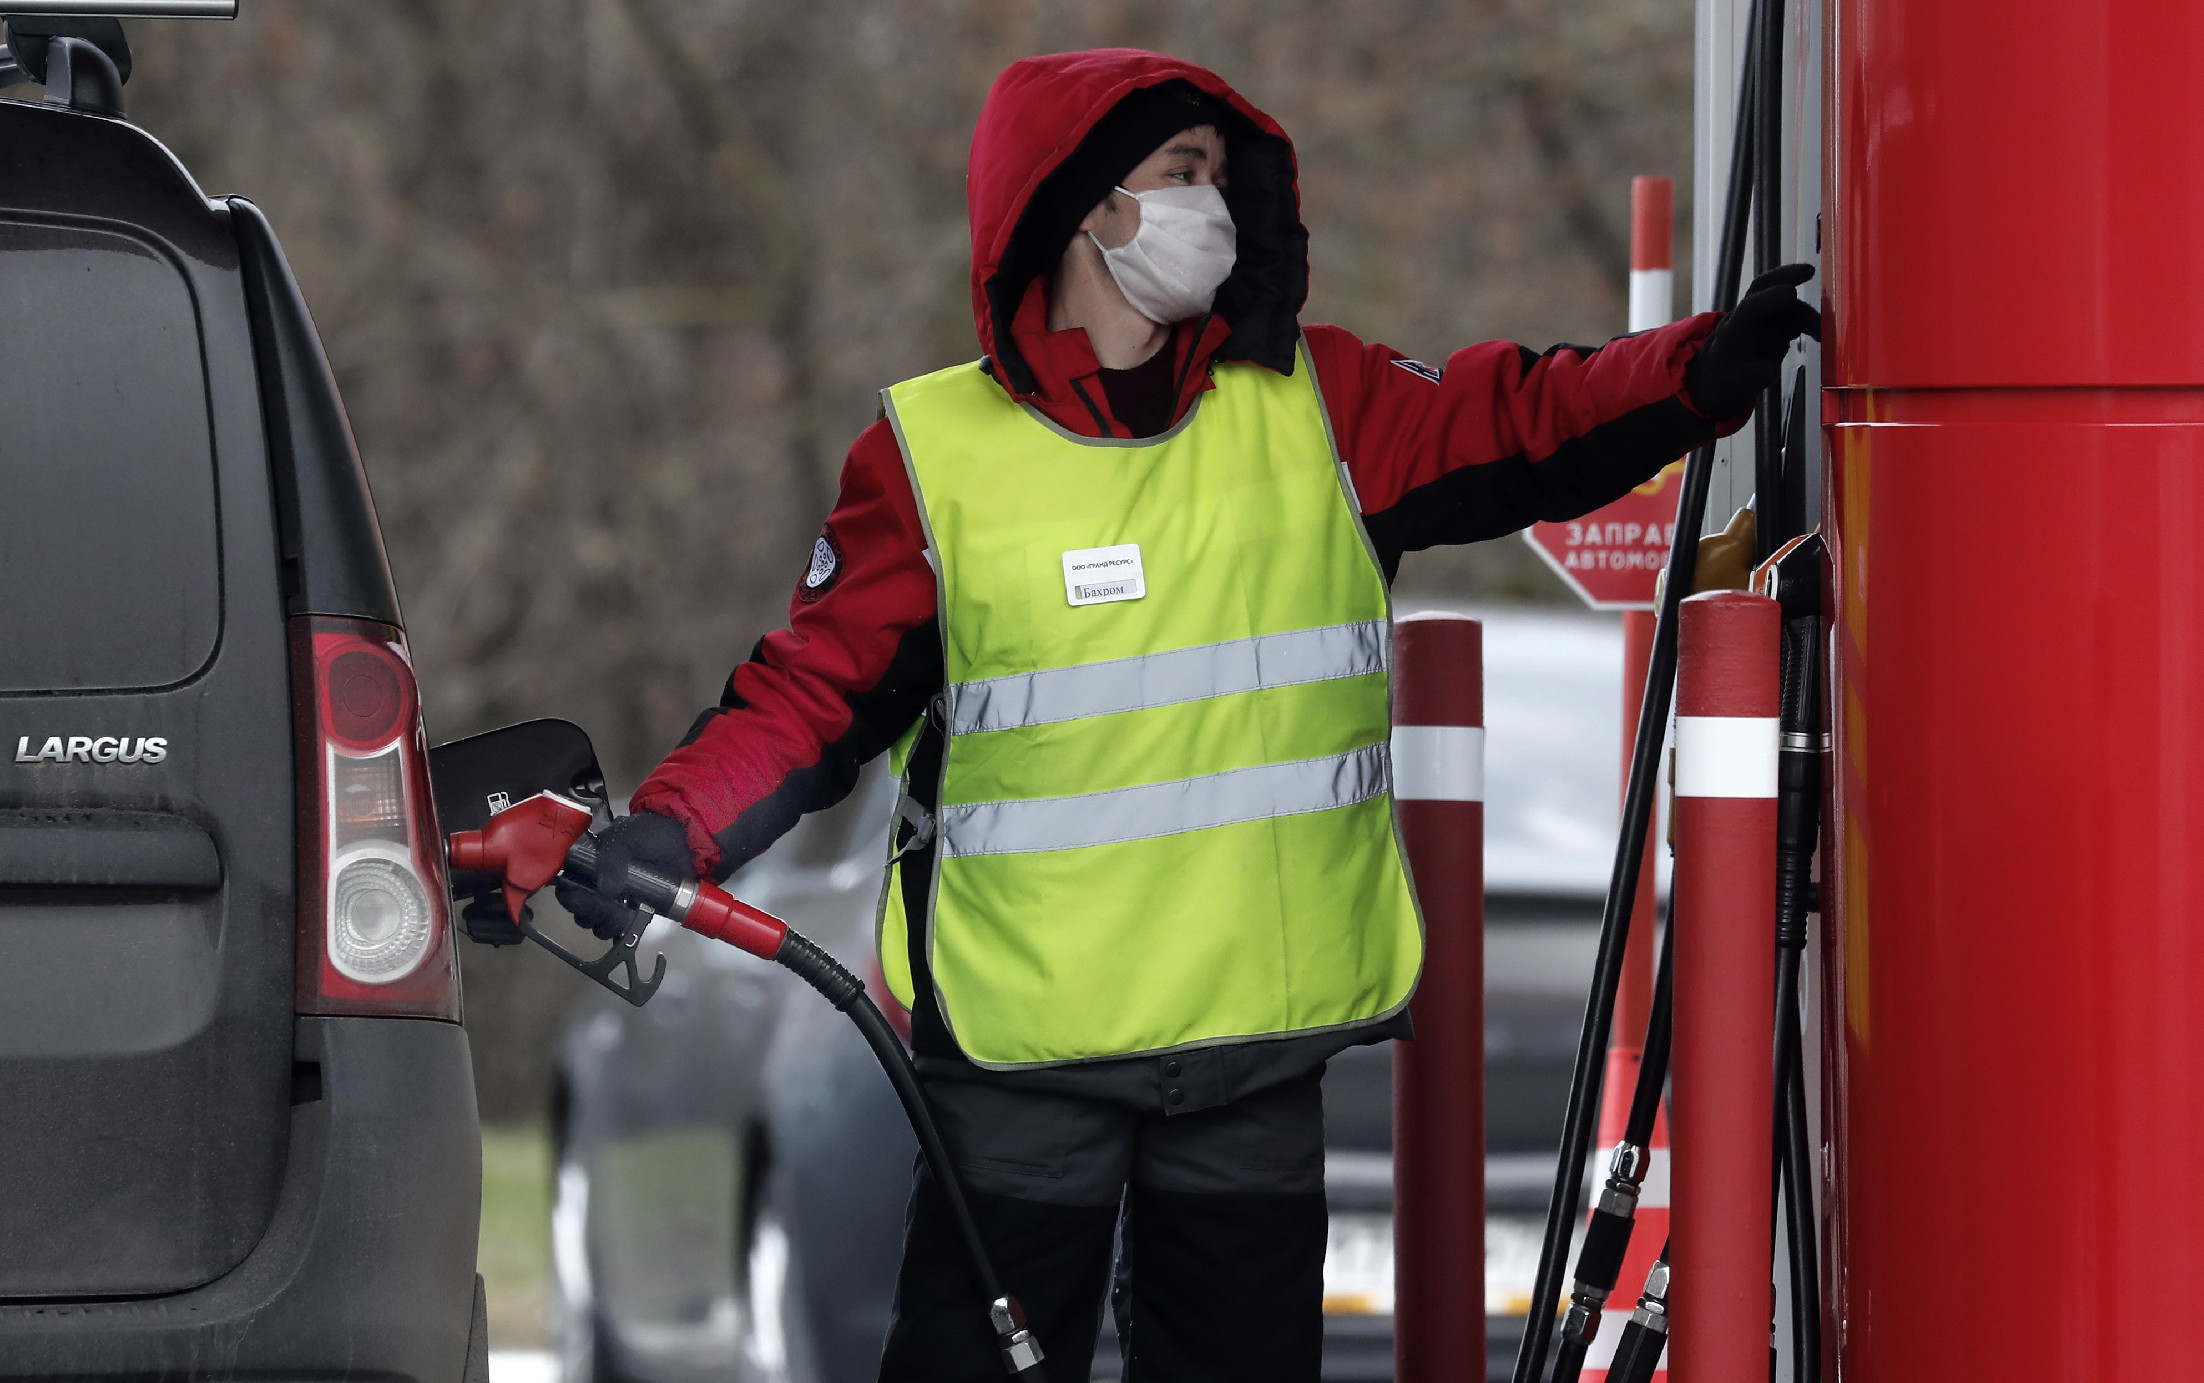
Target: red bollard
(1439, 1079)
(1727, 700)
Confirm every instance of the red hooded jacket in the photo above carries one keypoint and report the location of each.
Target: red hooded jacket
(1499, 438)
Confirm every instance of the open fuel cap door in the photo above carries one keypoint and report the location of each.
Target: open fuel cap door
(479, 776)
(476, 778)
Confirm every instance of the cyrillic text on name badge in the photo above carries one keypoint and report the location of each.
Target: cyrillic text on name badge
(1097, 575)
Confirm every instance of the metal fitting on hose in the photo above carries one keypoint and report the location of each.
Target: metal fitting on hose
(1021, 1352)
(1620, 1199)
(1653, 1305)
(1582, 1322)
(1629, 1165)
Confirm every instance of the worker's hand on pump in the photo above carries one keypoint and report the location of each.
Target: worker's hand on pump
(658, 843)
(1745, 353)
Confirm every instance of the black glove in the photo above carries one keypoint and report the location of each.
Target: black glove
(658, 843)
(1746, 351)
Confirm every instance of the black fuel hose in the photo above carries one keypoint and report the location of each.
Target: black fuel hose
(1637, 810)
(811, 963)
(1798, 832)
(1805, 1253)
(1794, 1187)
(1022, 1353)
(846, 992)
(1765, 96)
(1660, 1032)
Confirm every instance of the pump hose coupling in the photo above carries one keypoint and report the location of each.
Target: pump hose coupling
(1638, 1352)
(1606, 1240)
(1599, 1261)
(1021, 1352)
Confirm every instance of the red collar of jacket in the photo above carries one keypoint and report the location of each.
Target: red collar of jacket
(1067, 390)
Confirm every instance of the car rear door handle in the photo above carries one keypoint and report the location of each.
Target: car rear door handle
(106, 849)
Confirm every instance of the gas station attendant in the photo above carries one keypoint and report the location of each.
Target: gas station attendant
(1115, 599)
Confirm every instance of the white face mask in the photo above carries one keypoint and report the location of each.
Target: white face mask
(1184, 250)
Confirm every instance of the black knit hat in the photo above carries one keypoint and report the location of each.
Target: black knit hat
(1135, 128)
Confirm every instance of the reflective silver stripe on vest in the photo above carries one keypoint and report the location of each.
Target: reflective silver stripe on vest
(1167, 679)
(1164, 809)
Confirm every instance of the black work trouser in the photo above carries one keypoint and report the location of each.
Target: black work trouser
(1224, 1237)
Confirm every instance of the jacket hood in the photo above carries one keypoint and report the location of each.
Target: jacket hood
(1035, 120)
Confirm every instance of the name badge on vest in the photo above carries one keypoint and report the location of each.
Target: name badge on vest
(1096, 575)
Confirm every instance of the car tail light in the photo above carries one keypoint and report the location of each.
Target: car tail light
(374, 921)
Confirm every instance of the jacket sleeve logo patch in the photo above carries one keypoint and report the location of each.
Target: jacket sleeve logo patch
(1418, 369)
(825, 568)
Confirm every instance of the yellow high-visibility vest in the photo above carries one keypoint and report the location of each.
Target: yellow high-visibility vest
(1165, 812)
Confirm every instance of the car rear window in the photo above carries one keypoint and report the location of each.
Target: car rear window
(108, 553)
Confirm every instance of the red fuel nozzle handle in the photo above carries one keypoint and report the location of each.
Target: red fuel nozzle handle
(530, 844)
(525, 845)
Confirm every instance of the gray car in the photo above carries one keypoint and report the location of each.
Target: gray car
(732, 1167)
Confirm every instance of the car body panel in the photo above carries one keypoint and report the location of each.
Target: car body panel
(145, 1031)
(371, 1243)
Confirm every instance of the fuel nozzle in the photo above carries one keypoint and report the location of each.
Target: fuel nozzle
(1793, 577)
(1021, 1350)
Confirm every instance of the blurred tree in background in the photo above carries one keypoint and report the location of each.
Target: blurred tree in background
(609, 285)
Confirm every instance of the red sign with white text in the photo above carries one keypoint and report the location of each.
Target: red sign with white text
(1614, 556)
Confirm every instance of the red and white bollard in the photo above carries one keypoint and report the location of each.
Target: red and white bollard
(1439, 1079)
(1652, 253)
(1727, 703)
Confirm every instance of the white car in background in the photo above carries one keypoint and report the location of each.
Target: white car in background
(733, 1167)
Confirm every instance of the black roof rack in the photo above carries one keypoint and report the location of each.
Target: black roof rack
(123, 9)
(76, 48)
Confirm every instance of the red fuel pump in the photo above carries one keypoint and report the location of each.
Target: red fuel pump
(2015, 437)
